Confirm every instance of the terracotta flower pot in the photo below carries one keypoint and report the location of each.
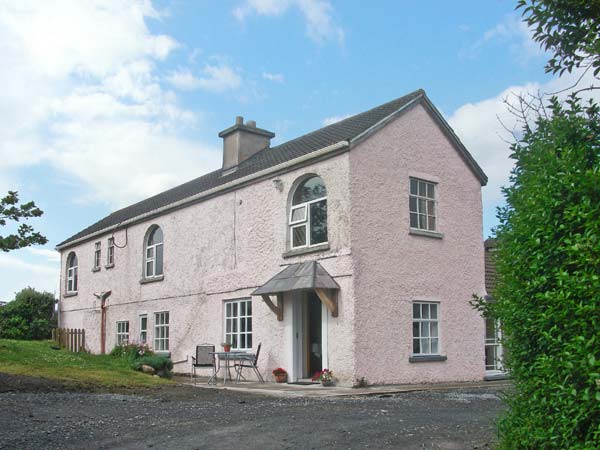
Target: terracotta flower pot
(327, 382)
(227, 348)
(281, 377)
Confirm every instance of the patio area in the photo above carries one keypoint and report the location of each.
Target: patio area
(316, 390)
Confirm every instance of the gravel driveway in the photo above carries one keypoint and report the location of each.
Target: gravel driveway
(35, 414)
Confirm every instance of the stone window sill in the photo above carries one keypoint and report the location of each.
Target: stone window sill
(70, 294)
(427, 358)
(109, 266)
(152, 280)
(163, 353)
(96, 269)
(306, 250)
(426, 233)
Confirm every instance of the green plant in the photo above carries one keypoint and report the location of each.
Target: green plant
(28, 316)
(131, 351)
(10, 210)
(161, 364)
(548, 295)
(325, 375)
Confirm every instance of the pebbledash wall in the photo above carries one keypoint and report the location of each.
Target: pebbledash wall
(217, 250)
(393, 268)
(225, 247)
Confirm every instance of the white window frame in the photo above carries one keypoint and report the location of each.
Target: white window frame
(426, 322)
(428, 201)
(143, 329)
(161, 331)
(72, 281)
(494, 342)
(152, 259)
(97, 255)
(236, 323)
(110, 252)
(304, 223)
(122, 332)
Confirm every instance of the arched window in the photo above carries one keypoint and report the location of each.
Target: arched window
(72, 273)
(308, 214)
(153, 261)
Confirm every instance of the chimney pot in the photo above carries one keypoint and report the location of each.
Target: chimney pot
(251, 123)
(239, 120)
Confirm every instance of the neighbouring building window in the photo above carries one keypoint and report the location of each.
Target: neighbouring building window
(123, 332)
(153, 266)
(308, 214)
(161, 331)
(238, 324)
(493, 349)
(422, 205)
(143, 329)
(72, 273)
(110, 252)
(97, 255)
(426, 340)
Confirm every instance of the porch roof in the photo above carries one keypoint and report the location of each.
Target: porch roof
(308, 275)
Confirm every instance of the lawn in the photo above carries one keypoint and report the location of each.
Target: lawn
(39, 359)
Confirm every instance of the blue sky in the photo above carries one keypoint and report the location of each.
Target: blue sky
(106, 103)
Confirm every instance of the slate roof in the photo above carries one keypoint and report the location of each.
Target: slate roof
(344, 130)
(490, 266)
(298, 277)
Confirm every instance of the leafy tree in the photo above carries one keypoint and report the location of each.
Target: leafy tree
(10, 210)
(548, 294)
(29, 316)
(570, 29)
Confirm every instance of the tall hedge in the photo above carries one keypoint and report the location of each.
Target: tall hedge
(29, 316)
(548, 297)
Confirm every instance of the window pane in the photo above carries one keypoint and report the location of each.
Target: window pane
(434, 329)
(299, 214)
(318, 222)
(430, 193)
(249, 303)
(299, 236)
(235, 309)
(158, 236)
(425, 345)
(434, 346)
(243, 325)
(412, 201)
(416, 310)
(159, 260)
(228, 325)
(234, 326)
(433, 310)
(250, 324)
(425, 329)
(311, 189)
(416, 329)
(249, 340)
(414, 220)
(242, 308)
(416, 346)
(431, 223)
(422, 189)
(431, 207)
(422, 221)
(149, 271)
(150, 253)
(422, 205)
(425, 310)
(243, 341)
(414, 189)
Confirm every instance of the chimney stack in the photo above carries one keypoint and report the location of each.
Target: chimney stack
(241, 141)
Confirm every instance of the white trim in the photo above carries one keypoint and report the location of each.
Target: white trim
(97, 254)
(140, 316)
(438, 320)
(324, 151)
(238, 319)
(305, 222)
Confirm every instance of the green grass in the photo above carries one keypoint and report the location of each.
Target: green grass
(38, 359)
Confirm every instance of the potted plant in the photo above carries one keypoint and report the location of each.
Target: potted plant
(226, 346)
(280, 375)
(325, 376)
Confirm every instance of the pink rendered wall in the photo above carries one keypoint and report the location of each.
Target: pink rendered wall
(217, 250)
(393, 268)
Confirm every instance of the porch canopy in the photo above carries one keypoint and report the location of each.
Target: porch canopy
(305, 276)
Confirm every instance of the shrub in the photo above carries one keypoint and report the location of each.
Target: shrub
(548, 296)
(131, 351)
(161, 364)
(29, 316)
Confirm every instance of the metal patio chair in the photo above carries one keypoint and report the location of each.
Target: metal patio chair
(249, 362)
(203, 358)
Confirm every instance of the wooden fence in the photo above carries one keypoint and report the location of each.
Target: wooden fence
(70, 338)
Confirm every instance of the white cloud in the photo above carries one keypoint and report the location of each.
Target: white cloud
(220, 78)
(480, 126)
(333, 119)
(318, 16)
(512, 31)
(275, 77)
(183, 79)
(50, 255)
(84, 95)
(41, 276)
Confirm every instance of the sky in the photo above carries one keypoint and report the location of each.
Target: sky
(104, 103)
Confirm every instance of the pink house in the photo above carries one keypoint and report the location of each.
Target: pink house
(355, 248)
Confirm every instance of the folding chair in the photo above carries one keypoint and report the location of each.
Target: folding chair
(250, 362)
(203, 359)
